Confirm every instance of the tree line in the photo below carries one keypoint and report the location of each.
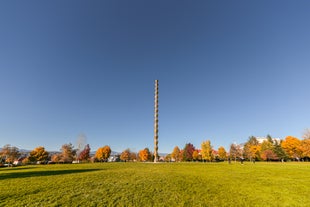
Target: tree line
(68, 154)
(270, 149)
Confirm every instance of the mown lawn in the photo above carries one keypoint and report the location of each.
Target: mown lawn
(161, 184)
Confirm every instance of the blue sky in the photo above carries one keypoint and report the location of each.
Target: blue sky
(227, 70)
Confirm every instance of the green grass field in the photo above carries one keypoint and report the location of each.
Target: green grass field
(162, 184)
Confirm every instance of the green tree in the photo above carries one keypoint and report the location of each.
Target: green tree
(206, 151)
(278, 150)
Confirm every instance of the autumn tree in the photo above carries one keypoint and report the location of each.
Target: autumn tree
(235, 151)
(222, 153)
(67, 153)
(252, 148)
(305, 148)
(9, 153)
(268, 155)
(56, 158)
(145, 154)
(133, 156)
(196, 155)
(206, 151)
(85, 153)
(176, 154)
(292, 147)
(125, 156)
(267, 150)
(39, 154)
(168, 158)
(188, 152)
(103, 153)
(267, 144)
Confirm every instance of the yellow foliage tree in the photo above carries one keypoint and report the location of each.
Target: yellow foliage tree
(292, 147)
(222, 153)
(206, 150)
(176, 154)
(103, 153)
(195, 155)
(254, 151)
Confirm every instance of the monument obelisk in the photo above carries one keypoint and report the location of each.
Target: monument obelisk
(156, 123)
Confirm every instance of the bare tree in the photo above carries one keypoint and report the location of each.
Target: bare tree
(81, 144)
(306, 134)
(9, 153)
(235, 151)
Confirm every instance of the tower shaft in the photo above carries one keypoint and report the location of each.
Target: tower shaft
(156, 123)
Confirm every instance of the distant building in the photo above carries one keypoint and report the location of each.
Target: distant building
(262, 139)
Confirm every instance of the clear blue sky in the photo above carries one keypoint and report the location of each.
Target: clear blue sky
(227, 70)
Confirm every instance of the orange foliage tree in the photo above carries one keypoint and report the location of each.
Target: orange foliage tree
(125, 156)
(38, 154)
(145, 154)
(176, 154)
(254, 152)
(103, 153)
(292, 147)
(305, 148)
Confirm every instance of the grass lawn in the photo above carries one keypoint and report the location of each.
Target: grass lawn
(161, 184)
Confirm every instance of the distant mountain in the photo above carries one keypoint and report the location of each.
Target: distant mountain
(24, 150)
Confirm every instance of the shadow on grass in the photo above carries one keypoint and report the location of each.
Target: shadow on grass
(7, 169)
(5, 176)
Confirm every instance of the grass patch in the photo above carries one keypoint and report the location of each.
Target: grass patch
(163, 184)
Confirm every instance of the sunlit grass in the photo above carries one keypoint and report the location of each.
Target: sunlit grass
(162, 184)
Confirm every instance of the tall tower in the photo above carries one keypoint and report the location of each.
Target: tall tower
(156, 123)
